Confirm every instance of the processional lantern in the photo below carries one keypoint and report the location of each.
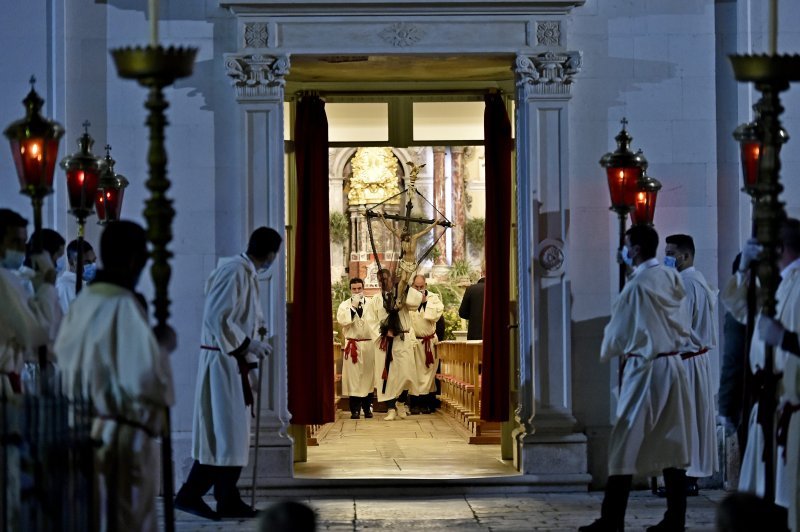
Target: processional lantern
(83, 170)
(644, 207)
(34, 148)
(750, 138)
(110, 192)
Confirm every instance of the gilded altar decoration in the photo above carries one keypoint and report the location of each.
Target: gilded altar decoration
(374, 176)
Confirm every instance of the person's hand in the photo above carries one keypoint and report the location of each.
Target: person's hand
(166, 337)
(45, 272)
(259, 349)
(750, 252)
(770, 331)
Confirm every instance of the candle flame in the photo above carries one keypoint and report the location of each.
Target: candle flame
(80, 178)
(621, 175)
(641, 197)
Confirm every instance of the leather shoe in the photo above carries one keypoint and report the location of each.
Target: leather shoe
(236, 509)
(692, 490)
(196, 507)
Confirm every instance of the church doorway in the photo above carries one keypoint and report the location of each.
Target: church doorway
(376, 135)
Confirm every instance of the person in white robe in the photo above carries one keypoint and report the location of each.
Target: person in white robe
(229, 352)
(358, 360)
(395, 344)
(65, 284)
(25, 324)
(649, 326)
(780, 332)
(109, 353)
(423, 320)
(703, 462)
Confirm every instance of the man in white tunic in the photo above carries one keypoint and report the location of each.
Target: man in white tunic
(781, 333)
(358, 364)
(229, 351)
(395, 343)
(108, 352)
(680, 252)
(66, 281)
(423, 320)
(649, 326)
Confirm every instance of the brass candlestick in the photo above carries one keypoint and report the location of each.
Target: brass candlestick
(771, 75)
(156, 67)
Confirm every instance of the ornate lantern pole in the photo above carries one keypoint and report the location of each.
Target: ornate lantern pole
(624, 170)
(110, 192)
(83, 170)
(34, 147)
(771, 73)
(156, 67)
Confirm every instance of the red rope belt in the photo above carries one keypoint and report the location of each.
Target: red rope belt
(690, 354)
(782, 432)
(244, 369)
(426, 341)
(351, 349)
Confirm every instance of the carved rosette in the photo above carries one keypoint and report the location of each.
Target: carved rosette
(548, 33)
(402, 34)
(256, 75)
(255, 35)
(551, 257)
(548, 73)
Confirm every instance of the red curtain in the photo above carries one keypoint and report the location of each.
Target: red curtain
(497, 249)
(310, 341)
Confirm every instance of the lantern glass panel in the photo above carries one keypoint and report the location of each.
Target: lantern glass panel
(82, 188)
(622, 185)
(35, 161)
(645, 207)
(751, 152)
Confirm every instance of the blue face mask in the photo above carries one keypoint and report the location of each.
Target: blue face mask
(61, 264)
(670, 262)
(13, 259)
(627, 259)
(89, 271)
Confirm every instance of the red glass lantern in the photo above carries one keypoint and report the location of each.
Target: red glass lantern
(110, 192)
(83, 173)
(34, 147)
(623, 170)
(749, 137)
(644, 209)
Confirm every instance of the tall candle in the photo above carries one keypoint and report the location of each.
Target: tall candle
(773, 27)
(153, 10)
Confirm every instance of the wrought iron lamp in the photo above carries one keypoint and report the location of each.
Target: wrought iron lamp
(83, 170)
(624, 169)
(34, 147)
(110, 192)
(644, 209)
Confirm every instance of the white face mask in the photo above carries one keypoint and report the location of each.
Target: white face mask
(61, 264)
(357, 299)
(626, 258)
(13, 259)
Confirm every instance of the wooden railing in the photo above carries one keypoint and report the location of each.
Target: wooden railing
(460, 380)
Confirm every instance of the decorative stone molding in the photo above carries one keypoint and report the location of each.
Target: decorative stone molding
(402, 34)
(548, 33)
(551, 257)
(548, 72)
(255, 75)
(255, 35)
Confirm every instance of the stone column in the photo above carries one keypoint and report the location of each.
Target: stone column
(459, 208)
(258, 81)
(547, 441)
(439, 200)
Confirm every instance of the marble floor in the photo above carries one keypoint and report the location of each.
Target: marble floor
(420, 446)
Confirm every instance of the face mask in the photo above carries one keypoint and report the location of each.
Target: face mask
(61, 264)
(89, 271)
(670, 262)
(357, 299)
(627, 259)
(13, 259)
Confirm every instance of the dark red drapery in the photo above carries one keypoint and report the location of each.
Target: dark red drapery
(310, 341)
(497, 248)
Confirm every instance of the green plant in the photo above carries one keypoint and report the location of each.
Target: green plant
(452, 322)
(475, 232)
(460, 269)
(340, 290)
(340, 228)
(449, 293)
(435, 253)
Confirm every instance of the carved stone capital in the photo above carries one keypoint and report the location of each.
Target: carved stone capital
(548, 73)
(257, 75)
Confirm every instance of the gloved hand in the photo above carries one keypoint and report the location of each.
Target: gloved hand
(45, 271)
(770, 331)
(259, 349)
(750, 252)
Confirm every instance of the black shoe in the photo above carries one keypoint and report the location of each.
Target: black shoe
(367, 414)
(414, 411)
(425, 410)
(236, 509)
(601, 526)
(666, 526)
(692, 490)
(355, 415)
(196, 507)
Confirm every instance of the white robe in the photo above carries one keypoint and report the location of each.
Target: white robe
(107, 351)
(700, 298)
(424, 323)
(231, 317)
(403, 370)
(752, 475)
(358, 376)
(649, 318)
(65, 286)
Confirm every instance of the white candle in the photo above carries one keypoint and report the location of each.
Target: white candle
(153, 10)
(773, 27)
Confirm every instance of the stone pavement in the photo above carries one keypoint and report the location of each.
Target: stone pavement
(553, 512)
